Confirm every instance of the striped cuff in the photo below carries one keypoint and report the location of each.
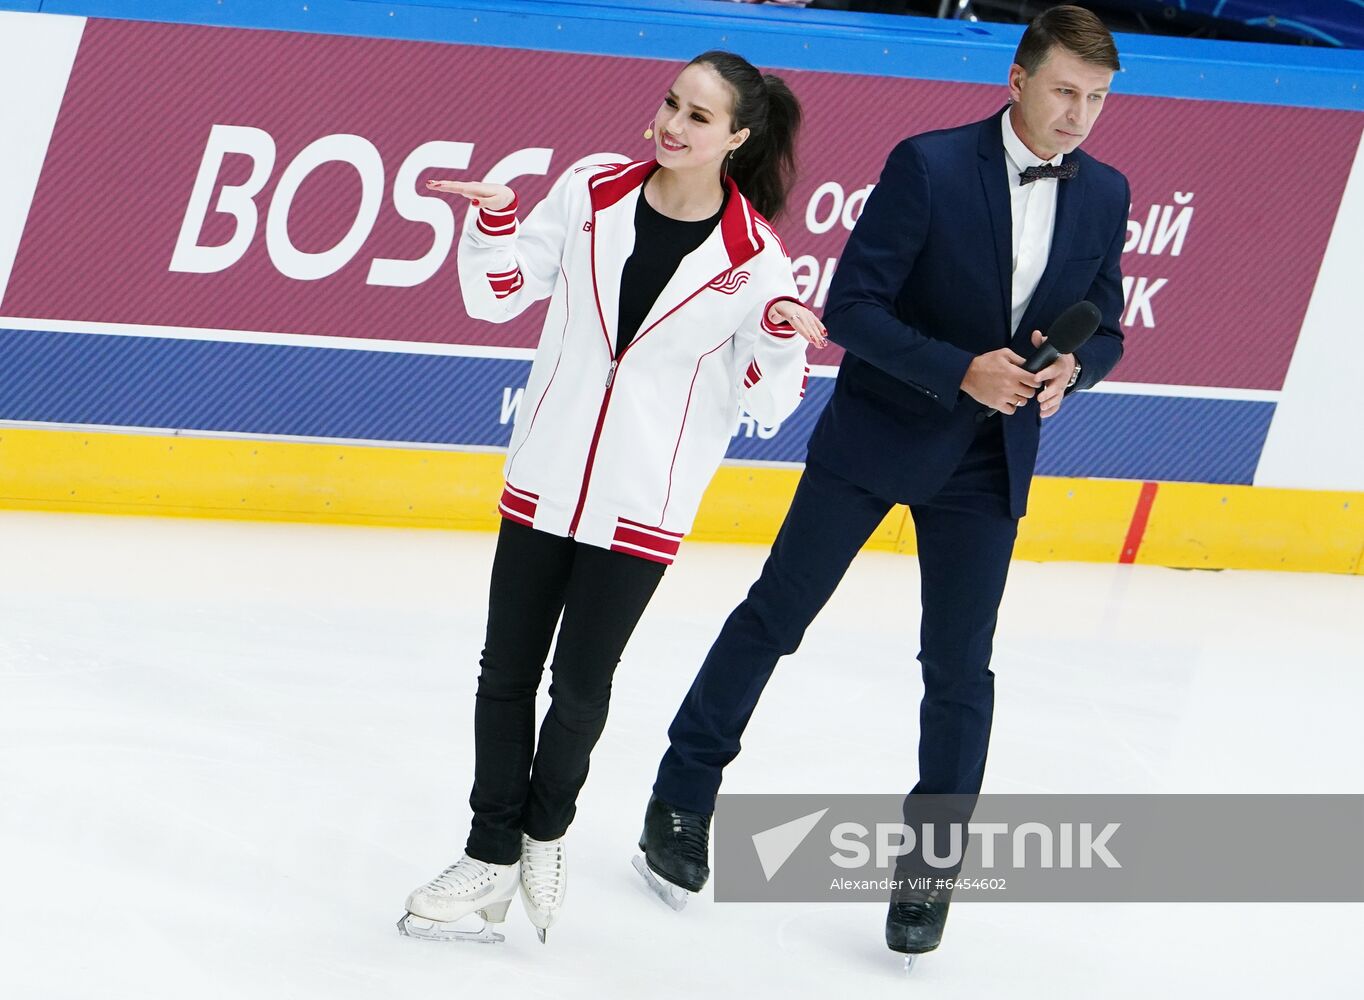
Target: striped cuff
(499, 223)
(783, 331)
(753, 374)
(505, 282)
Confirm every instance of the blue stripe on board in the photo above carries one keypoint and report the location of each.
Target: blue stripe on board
(380, 396)
(1164, 438)
(835, 41)
(254, 388)
(1171, 439)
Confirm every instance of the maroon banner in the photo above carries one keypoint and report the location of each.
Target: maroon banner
(271, 181)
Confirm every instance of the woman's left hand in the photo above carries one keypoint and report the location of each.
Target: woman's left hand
(804, 322)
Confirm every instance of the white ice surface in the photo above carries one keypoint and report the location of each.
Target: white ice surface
(229, 750)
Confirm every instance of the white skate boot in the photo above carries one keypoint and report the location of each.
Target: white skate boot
(466, 887)
(544, 881)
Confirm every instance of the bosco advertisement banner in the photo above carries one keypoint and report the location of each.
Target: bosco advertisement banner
(230, 232)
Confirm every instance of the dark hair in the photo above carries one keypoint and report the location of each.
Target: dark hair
(1073, 28)
(764, 167)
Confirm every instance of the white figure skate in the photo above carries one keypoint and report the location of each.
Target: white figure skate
(544, 881)
(466, 887)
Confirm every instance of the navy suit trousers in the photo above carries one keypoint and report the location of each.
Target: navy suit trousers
(965, 539)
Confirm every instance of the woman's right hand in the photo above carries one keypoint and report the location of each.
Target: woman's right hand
(493, 197)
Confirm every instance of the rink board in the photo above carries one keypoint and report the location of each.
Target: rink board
(197, 241)
(1194, 525)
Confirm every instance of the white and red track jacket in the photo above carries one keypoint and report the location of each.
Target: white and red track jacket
(616, 451)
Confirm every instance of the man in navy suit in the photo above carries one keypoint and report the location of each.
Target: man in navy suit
(974, 239)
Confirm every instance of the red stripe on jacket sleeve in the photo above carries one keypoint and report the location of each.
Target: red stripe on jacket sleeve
(504, 283)
(753, 374)
(782, 331)
(499, 222)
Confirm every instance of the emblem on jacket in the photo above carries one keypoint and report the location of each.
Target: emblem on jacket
(729, 282)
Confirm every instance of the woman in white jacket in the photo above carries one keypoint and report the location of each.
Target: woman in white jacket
(672, 306)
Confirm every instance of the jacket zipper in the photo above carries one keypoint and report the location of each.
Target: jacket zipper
(592, 449)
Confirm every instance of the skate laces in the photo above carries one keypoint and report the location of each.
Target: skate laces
(918, 911)
(465, 874)
(692, 833)
(543, 867)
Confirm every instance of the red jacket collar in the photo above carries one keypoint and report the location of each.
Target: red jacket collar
(738, 226)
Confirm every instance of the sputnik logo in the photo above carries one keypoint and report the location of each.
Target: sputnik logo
(775, 846)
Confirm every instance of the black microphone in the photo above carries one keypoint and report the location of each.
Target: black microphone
(1066, 335)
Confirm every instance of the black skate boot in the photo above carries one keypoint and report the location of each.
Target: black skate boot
(915, 921)
(676, 850)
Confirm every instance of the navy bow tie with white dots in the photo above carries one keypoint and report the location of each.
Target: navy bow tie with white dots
(1063, 172)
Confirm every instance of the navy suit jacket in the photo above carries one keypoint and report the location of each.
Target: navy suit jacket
(924, 286)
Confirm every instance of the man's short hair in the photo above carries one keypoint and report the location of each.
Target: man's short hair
(1076, 30)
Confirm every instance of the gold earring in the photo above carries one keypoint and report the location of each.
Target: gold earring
(649, 132)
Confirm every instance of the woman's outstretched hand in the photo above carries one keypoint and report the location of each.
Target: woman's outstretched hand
(804, 322)
(493, 197)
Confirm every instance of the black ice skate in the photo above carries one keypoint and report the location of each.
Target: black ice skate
(676, 859)
(915, 920)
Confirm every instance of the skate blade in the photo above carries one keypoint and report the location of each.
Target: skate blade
(909, 963)
(414, 926)
(675, 896)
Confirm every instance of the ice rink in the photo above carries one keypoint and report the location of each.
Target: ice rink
(229, 750)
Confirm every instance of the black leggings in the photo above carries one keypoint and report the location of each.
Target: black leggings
(519, 786)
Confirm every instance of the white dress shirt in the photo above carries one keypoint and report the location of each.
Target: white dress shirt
(1034, 215)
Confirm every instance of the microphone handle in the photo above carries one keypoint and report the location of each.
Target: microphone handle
(1042, 357)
